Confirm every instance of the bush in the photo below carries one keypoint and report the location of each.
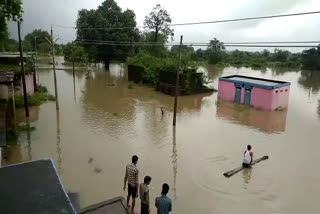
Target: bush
(40, 96)
(41, 89)
(153, 65)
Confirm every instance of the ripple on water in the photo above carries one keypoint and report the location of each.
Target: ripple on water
(208, 175)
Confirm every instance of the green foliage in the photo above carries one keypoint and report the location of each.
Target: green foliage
(44, 48)
(74, 53)
(9, 10)
(107, 15)
(311, 59)
(10, 67)
(41, 89)
(158, 21)
(215, 51)
(40, 96)
(38, 37)
(153, 65)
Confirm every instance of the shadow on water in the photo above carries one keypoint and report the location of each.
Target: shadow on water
(266, 121)
(310, 80)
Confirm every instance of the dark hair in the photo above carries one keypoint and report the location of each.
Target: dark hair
(134, 159)
(249, 147)
(147, 179)
(165, 189)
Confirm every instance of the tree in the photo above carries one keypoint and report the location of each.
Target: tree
(39, 35)
(281, 55)
(9, 10)
(44, 48)
(158, 22)
(311, 59)
(74, 53)
(108, 23)
(215, 51)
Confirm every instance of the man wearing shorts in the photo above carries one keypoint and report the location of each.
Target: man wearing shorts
(132, 176)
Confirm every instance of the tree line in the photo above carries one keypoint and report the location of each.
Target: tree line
(105, 34)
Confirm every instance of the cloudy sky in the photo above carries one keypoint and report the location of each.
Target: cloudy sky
(43, 13)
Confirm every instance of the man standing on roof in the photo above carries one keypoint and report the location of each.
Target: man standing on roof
(248, 157)
(132, 176)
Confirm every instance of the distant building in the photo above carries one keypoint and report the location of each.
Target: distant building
(257, 92)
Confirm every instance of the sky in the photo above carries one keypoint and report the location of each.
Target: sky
(43, 13)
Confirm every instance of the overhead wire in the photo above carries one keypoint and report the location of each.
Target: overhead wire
(199, 23)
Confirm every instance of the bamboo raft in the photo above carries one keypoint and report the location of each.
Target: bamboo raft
(236, 170)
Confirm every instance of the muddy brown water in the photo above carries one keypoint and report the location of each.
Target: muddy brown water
(102, 123)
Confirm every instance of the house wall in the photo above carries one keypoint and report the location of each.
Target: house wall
(29, 84)
(280, 97)
(261, 98)
(226, 90)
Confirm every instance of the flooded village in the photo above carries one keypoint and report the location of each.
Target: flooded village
(107, 98)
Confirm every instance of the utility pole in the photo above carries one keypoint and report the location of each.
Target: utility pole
(54, 71)
(177, 86)
(23, 74)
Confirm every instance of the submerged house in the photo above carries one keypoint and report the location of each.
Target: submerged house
(257, 92)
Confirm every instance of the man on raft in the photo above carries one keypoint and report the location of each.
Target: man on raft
(248, 157)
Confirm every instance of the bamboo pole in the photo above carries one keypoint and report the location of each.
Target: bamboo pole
(177, 86)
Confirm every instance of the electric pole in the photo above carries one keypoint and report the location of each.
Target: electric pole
(177, 85)
(54, 71)
(25, 96)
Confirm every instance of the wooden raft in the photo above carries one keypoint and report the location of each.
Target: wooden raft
(236, 170)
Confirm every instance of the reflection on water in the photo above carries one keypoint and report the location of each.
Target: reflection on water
(246, 174)
(102, 123)
(174, 161)
(59, 161)
(310, 80)
(265, 121)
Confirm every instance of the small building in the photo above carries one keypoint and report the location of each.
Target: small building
(257, 92)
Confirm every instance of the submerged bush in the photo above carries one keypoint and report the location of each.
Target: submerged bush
(40, 96)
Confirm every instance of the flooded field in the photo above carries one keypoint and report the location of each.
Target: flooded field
(102, 122)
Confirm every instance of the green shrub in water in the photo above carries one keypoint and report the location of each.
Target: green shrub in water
(40, 96)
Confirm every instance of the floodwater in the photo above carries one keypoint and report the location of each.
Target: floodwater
(102, 123)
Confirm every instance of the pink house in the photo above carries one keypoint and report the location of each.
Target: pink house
(257, 92)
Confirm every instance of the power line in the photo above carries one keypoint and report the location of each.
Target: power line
(190, 43)
(247, 19)
(292, 42)
(205, 22)
(200, 45)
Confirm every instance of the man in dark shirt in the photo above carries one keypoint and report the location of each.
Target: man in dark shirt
(163, 203)
(144, 195)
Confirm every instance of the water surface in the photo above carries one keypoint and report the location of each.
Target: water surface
(102, 123)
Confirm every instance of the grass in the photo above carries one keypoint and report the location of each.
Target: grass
(40, 96)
